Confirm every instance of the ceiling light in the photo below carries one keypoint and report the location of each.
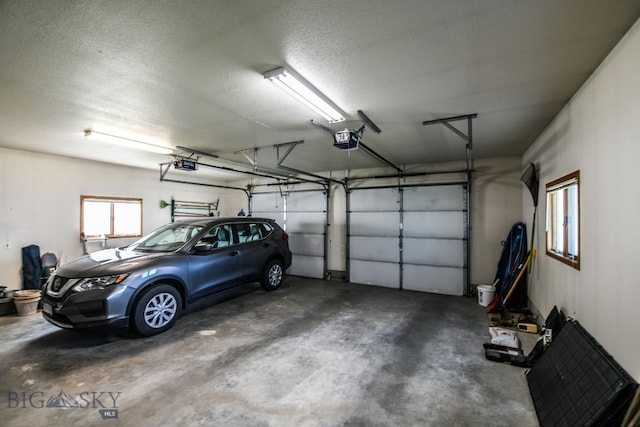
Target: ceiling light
(127, 142)
(304, 92)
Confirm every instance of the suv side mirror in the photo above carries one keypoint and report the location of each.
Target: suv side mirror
(202, 247)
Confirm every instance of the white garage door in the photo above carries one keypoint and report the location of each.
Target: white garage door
(412, 238)
(374, 237)
(433, 239)
(268, 205)
(302, 214)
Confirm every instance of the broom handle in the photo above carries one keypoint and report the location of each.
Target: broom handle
(533, 236)
(524, 267)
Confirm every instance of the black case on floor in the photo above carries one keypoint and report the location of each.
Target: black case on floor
(504, 354)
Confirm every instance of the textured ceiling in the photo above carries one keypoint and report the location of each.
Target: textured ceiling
(191, 73)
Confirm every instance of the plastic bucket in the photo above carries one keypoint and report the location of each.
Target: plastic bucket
(485, 294)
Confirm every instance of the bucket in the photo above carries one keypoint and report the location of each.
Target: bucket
(26, 307)
(26, 302)
(485, 294)
(27, 293)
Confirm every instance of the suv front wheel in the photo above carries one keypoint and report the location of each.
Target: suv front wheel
(273, 275)
(157, 310)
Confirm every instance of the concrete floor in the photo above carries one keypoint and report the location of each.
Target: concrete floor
(314, 353)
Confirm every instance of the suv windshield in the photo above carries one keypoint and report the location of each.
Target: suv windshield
(166, 239)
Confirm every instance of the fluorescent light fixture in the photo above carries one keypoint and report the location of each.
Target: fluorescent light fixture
(304, 92)
(127, 142)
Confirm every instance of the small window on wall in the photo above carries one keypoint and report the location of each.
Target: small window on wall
(563, 219)
(110, 217)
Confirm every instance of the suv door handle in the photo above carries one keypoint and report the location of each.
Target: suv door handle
(233, 253)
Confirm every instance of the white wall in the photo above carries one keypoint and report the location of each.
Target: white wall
(496, 204)
(598, 132)
(40, 203)
(337, 257)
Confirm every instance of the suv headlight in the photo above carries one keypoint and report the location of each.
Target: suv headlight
(91, 283)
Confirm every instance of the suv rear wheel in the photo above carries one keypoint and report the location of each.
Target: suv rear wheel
(157, 310)
(273, 275)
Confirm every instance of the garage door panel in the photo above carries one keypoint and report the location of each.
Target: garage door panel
(441, 280)
(442, 252)
(375, 223)
(307, 266)
(431, 236)
(278, 217)
(375, 248)
(385, 199)
(267, 202)
(375, 273)
(305, 222)
(268, 206)
(436, 198)
(306, 244)
(305, 218)
(434, 224)
(311, 201)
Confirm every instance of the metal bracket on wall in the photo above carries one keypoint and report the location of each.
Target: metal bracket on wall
(447, 122)
(253, 159)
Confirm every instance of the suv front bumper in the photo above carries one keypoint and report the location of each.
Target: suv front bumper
(95, 308)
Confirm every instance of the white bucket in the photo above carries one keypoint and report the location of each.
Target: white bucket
(485, 294)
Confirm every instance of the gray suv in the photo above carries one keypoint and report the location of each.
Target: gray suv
(146, 285)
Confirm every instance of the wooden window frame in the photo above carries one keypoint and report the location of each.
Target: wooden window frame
(112, 200)
(555, 189)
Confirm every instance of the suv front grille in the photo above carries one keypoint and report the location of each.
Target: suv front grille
(58, 286)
